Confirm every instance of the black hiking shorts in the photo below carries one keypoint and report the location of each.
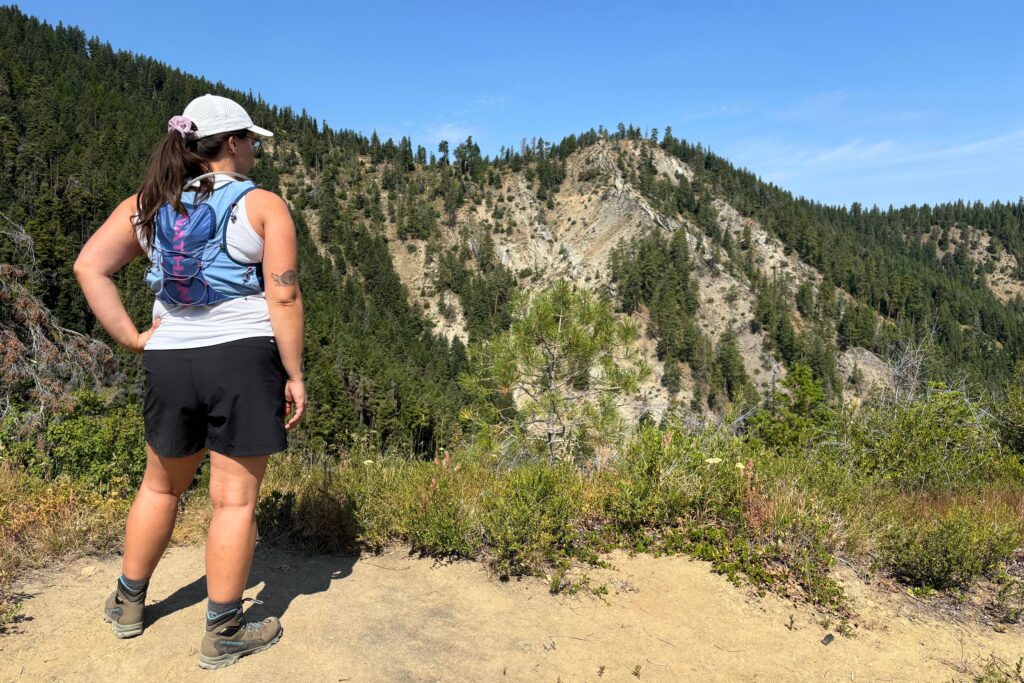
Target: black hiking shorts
(227, 397)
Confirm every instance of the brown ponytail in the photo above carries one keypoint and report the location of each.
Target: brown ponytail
(174, 161)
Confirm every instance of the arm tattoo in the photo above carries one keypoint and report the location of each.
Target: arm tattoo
(288, 277)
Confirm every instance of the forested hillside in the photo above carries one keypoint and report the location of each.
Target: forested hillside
(409, 253)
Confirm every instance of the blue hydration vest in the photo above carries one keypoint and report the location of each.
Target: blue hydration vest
(191, 265)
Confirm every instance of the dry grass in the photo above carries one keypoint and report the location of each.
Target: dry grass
(42, 522)
(194, 516)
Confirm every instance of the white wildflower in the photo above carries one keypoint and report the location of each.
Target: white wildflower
(713, 461)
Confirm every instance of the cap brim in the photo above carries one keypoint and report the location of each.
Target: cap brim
(261, 131)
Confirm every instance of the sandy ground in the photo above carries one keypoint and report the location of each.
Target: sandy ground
(392, 617)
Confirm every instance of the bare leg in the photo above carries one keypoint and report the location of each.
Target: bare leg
(155, 510)
(234, 489)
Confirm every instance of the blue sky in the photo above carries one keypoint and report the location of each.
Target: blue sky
(877, 102)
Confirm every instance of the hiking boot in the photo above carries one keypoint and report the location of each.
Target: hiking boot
(123, 613)
(234, 637)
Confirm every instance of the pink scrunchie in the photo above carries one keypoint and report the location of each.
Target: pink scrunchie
(182, 124)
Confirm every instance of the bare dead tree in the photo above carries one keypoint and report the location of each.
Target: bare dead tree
(907, 364)
(41, 363)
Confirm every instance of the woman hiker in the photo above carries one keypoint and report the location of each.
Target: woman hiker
(222, 358)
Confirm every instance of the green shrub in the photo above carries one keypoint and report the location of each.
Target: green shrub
(96, 444)
(316, 516)
(430, 505)
(705, 494)
(441, 516)
(1010, 413)
(650, 482)
(808, 551)
(276, 516)
(1008, 606)
(940, 442)
(532, 518)
(952, 550)
(380, 498)
(729, 553)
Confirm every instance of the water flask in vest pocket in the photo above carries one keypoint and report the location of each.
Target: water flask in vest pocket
(181, 246)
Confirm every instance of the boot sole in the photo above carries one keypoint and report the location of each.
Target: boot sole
(124, 630)
(232, 657)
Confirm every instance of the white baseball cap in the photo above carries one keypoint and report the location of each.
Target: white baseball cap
(214, 114)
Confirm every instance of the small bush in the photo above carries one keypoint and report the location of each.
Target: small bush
(651, 483)
(808, 551)
(1010, 413)
(379, 494)
(791, 420)
(730, 554)
(1008, 606)
(315, 516)
(106, 448)
(276, 516)
(95, 442)
(531, 519)
(441, 511)
(940, 442)
(952, 550)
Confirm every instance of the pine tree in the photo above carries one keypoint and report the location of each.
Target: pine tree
(555, 379)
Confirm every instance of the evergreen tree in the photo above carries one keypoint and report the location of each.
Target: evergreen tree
(554, 380)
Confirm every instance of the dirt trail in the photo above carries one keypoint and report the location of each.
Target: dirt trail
(396, 618)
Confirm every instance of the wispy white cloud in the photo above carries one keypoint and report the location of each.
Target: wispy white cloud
(454, 126)
(999, 143)
(889, 167)
(492, 101)
(815, 107)
(858, 153)
(482, 103)
(711, 111)
(452, 132)
(847, 144)
(893, 118)
(459, 124)
(778, 159)
(854, 152)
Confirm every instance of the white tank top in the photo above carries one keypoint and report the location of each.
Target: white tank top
(187, 327)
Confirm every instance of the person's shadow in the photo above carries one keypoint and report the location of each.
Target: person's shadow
(285, 572)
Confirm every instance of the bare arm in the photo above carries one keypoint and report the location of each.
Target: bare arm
(109, 249)
(284, 297)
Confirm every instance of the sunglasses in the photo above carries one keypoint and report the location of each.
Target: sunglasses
(256, 143)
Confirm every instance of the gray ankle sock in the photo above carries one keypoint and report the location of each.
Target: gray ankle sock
(218, 613)
(133, 589)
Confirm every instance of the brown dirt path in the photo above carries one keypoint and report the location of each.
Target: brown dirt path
(393, 617)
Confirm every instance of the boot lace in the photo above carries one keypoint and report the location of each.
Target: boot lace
(251, 625)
